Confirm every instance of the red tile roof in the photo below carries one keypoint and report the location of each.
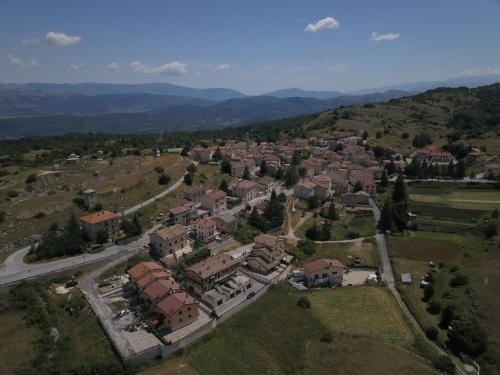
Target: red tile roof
(142, 268)
(320, 264)
(161, 288)
(99, 217)
(174, 302)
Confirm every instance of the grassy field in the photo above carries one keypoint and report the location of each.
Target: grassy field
(83, 340)
(275, 336)
(342, 229)
(120, 183)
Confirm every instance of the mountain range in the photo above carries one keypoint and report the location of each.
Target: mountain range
(49, 108)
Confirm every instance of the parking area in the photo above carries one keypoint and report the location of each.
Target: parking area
(239, 299)
(356, 277)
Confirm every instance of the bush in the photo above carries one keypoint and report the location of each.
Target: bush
(428, 292)
(304, 303)
(444, 364)
(102, 237)
(460, 279)
(13, 194)
(40, 215)
(159, 169)
(467, 335)
(431, 333)
(308, 247)
(164, 179)
(434, 307)
(327, 337)
(2, 216)
(490, 230)
(31, 179)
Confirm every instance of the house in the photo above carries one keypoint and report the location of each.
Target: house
(100, 221)
(273, 162)
(304, 189)
(339, 209)
(204, 230)
(203, 276)
(431, 155)
(204, 155)
(168, 240)
(238, 169)
(492, 171)
(359, 201)
(175, 311)
(159, 289)
(195, 193)
(184, 214)
(266, 184)
(322, 187)
(142, 269)
(90, 198)
(323, 272)
(148, 279)
(225, 223)
(214, 201)
(267, 253)
(246, 190)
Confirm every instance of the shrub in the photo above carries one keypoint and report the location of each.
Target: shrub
(431, 333)
(428, 293)
(163, 179)
(31, 179)
(467, 335)
(13, 194)
(308, 247)
(159, 169)
(434, 307)
(102, 237)
(444, 364)
(460, 279)
(40, 215)
(490, 230)
(304, 303)
(327, 337)
(2, 216)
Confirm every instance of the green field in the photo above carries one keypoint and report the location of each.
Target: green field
(347, 227)
(365, 250)
(275, 336)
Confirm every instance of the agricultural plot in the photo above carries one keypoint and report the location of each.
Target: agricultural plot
(349, 226)
(275, 336)
(365, 250)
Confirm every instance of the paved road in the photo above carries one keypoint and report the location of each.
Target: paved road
(388, 277)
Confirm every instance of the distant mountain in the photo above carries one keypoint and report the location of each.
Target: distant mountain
(471, 81)
(231, 112)
(26, 103)
(89, 88)
(296, 92)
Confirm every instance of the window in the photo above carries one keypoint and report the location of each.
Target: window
(189, 308)
(189, 316)
(180, 320)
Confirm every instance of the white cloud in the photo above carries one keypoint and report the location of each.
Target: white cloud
(29, 41)
(76, 66)
(61, 39)
(221, 68)
(325, 23)
(113, 67)
(376, 37)
(22, 63)
(171, 68)
(479, 72)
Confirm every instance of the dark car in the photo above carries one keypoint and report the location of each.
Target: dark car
(71, 284)
(250, 295)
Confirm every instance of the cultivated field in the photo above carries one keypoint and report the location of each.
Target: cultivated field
(275, 336)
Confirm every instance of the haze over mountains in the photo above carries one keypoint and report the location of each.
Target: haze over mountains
(49, 109)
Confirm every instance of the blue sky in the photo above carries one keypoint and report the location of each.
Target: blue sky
(252, 46)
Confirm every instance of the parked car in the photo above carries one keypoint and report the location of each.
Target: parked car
(121, 313)
(71, 284)
(250, 295)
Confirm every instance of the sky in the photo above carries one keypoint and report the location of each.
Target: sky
(252, 46)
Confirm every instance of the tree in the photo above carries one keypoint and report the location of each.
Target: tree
(332, 211)
(444, 364)
(325, 231)
(365, 135)
(432, 333)
(384, 180)
(137, 224)
(304, 303)
(164, 179)
(291, 175)
(263, 167)
(223, 185)
(246, 174)
(358, 186)
(2, 216)
(98, 207)
(192, 168)
(491, 230)
(386, 222)
(128, 227)
(217, 155)
(188, 179)
(467, 335)
(494, 213)
(280, 173)
(282, 197)
(225, 166)
(308, 247)
(159, 169)
(312, 232)
(313, 202)
(399, 192)
(451, 169)
(31, 179)
(460, 170)
(102, 237)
